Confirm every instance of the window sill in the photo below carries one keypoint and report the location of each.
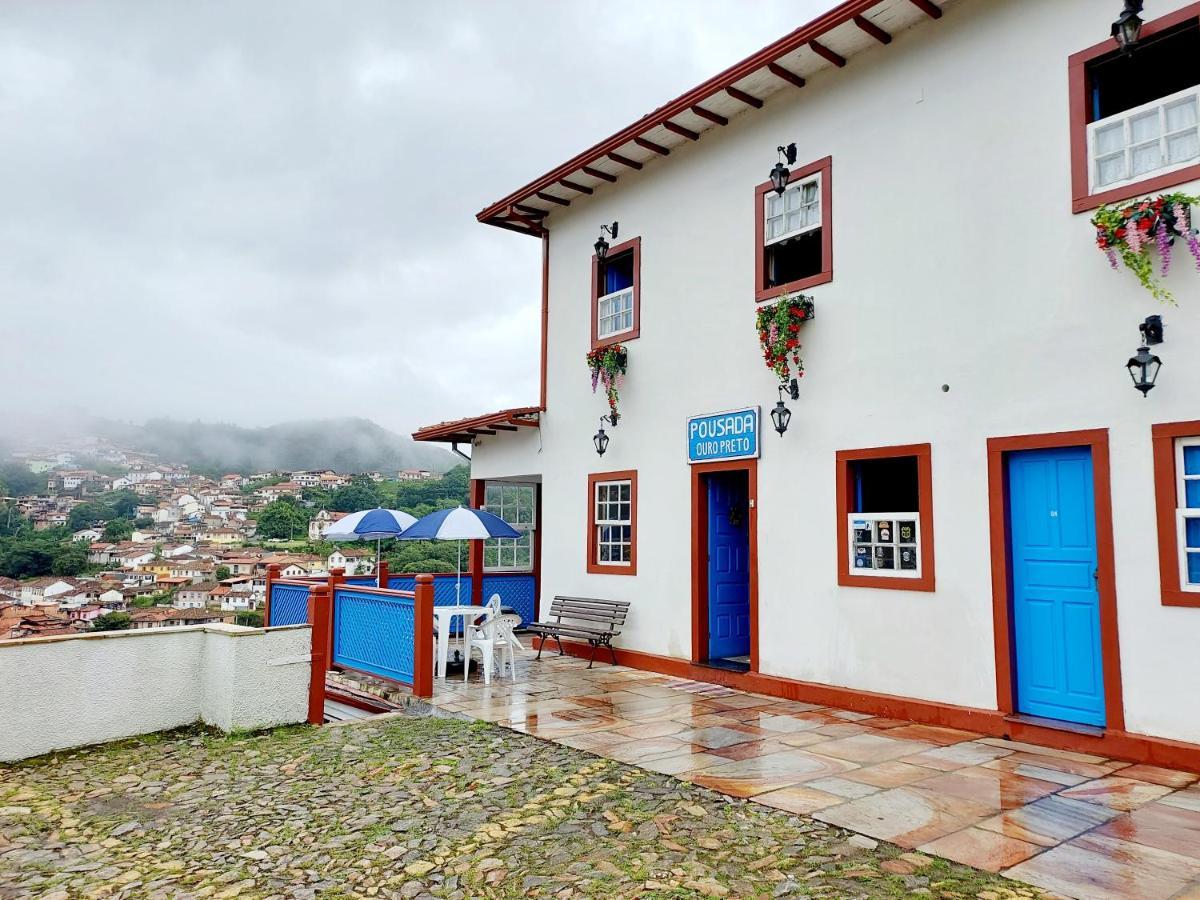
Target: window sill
(792, 286)
(925, 583)
(1186, 599)
(623, 337)
(1088, 202)
(600, 569)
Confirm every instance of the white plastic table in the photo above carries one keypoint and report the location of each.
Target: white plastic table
(445, 616)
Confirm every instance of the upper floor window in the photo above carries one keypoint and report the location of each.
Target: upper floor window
(794, 240)
(616, 294)
(1177, 497)
(1136, 117)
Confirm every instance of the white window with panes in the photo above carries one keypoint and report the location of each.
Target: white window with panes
(1152, 139)
(1187, 475)
(613, 521)
(516, 504)
(793, 213)
(614, 305)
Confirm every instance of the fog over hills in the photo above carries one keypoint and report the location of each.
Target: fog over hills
(344, 445)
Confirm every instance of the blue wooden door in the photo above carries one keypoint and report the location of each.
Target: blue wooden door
(728, 565)
(1056, 602)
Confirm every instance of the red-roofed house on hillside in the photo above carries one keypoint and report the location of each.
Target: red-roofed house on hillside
(894, 202)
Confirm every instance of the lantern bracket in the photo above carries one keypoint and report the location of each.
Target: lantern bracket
(1152, 330)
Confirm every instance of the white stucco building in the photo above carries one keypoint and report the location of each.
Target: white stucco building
(973, 519)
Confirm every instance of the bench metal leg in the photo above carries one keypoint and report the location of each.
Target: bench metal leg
(612, 653)
(541, 646)
(592, 659)
(561, 651)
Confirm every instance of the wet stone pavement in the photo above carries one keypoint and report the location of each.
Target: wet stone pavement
(404, 806)
(1077, 824)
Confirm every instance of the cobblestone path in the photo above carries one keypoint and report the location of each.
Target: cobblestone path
(410, 807)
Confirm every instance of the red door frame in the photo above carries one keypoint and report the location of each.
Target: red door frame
(700, 554)
(1097, 441)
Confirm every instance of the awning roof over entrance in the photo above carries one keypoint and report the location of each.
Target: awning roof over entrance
(826, 42)
(463, 431)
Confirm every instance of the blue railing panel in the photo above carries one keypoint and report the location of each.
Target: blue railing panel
(517, 591)
(443, 588)
(364, 580)
(289, 604)
(374, 633)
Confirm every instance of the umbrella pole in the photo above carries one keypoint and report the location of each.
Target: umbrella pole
(458, 582)
(378, 542)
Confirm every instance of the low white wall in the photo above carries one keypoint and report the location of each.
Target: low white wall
(71, 691)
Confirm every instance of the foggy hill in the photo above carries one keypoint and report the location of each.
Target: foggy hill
(343, 445)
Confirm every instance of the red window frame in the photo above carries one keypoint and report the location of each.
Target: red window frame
(1165, 503)
(761, 291)
(634, 244)
(595, 567)
(1082, 200)
(845, 492)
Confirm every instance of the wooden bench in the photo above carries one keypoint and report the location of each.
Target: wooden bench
(595, 621)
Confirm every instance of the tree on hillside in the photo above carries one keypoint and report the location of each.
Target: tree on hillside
(453, 489)
(19, 481)
(69, 559)
(360, 493)
(11, 520)
(252, 618)
(118, 530)
(318, 497)
(113, 621)
(26, 557)
(86, 514)
(221, 573)
(283, 520)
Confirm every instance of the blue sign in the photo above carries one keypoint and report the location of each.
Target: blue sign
(726, 435)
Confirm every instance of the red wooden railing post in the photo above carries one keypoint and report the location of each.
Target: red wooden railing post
(382, 579)
(337, 576)
(272, 574)
(318, 618)
(475, 548)
(423, 637)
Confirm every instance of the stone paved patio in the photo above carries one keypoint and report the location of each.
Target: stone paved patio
(1080, 825)
(416, 807)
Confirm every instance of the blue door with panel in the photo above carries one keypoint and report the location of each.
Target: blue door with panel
(1055, 595)
(728, 565)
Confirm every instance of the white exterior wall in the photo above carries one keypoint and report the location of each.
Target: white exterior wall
(73, 691)
(957, 261)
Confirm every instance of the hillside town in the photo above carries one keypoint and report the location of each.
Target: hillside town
(167, 546)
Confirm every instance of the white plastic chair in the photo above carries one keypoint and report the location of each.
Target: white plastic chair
(492, 636)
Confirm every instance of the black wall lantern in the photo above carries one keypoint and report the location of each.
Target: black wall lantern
(781, 173)
(601, 244)
(1143, 367)
(781, 415)
(1127, 30)
(600, 439)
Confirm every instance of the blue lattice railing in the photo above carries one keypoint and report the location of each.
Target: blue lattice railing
(289, 604)
(374, 632)
(517, 591)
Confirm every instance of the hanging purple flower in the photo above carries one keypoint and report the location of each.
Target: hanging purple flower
(1164, 244)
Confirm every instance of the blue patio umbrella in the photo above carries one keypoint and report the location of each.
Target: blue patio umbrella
(460, 524)
(370, 525)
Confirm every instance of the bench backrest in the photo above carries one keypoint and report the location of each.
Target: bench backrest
(586, 609)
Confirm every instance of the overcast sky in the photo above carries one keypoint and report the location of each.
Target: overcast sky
(255, 212)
